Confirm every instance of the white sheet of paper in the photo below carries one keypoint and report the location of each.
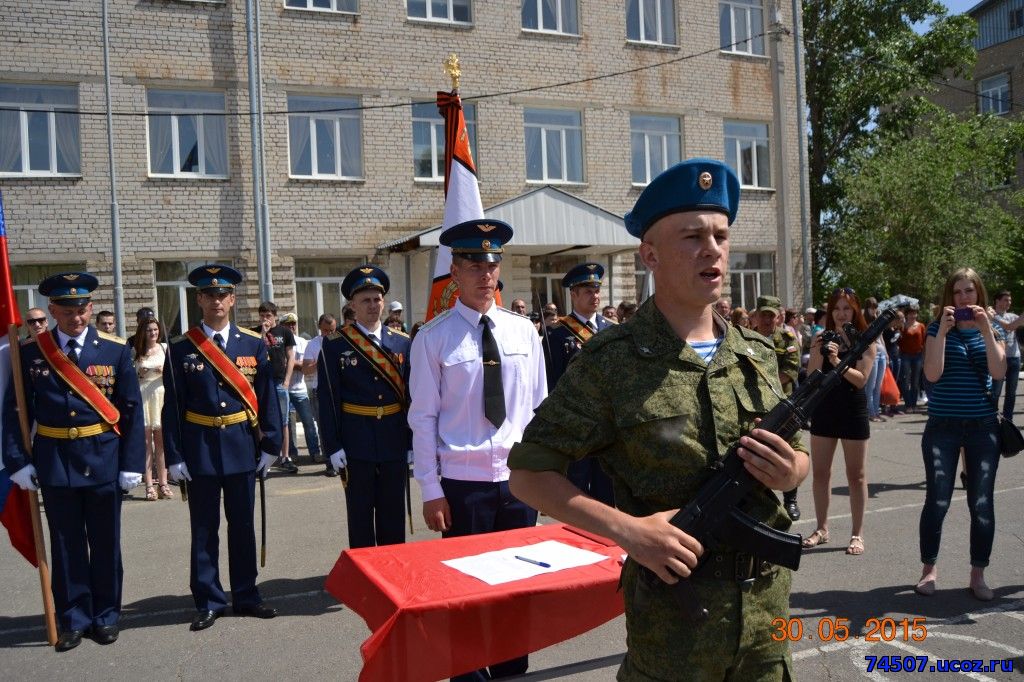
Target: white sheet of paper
(502, 566)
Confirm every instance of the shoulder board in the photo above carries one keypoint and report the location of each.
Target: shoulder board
(437, 320)
(397, 332)
(333, 336)
(606, 336)
(610, 321)
(512, 312)
(249, 332)
(179, 338)
(28, 341)
(111, 337)
(751, 335)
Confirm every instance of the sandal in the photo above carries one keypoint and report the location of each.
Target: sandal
(856, 546)
(818, 537)
(165, 492)
(150, 493)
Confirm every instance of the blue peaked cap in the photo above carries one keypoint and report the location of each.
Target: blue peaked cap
(692, 185)
(584, 273)
(215, 278)
(69, 288)
(363, 277)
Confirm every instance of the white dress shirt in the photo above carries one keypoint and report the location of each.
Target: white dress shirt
(586, 321)
(222, 333)
(446, 387)
(80, 340)
(375, 334)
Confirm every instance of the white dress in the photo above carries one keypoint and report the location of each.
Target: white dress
(150, 369)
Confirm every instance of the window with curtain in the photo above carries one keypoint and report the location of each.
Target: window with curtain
(176, 305)
(344, 6)
(651, 21)
(325, 137)
(994, 95)
(746, 152)
(550, 16)
(751, 275)
(428, 139)
(187, 134)
(318, 289)
(26, 279)
(554, 145)
(39, 133)
(655, 141)
(741, 25)
(451, 11)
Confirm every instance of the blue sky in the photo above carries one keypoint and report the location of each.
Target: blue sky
(959, 6)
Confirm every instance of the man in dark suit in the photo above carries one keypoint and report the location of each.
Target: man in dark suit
(83, 394)
(219, 397)
(362, 375)
(564, 341)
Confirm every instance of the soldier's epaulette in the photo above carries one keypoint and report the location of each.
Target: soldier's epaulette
(436, 319)
(249, 332)
(333, 335)
(506, 310)
(111, 337)
(28, 341)
(751, 335)
(397, 332)
(179, 338)
(606, 336)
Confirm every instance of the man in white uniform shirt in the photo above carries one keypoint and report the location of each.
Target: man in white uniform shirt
(477, 374)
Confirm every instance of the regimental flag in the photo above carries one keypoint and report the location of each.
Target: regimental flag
(461, 197)
(14, 505)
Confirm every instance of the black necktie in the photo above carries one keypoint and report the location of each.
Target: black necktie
(219, 341)
(591, 326)
(494, 393)
(73, 351)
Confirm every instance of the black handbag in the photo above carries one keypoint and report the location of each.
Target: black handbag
(1011, 441)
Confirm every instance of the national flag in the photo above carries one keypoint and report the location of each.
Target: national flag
(14, 503)
(461, 196)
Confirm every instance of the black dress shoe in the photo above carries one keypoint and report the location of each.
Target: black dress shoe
(105, 634)
(203, 619)
(793, 509)
(68, 640)
(257, 610)
(330, 472)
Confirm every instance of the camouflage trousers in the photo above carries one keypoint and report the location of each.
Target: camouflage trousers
(735, 643)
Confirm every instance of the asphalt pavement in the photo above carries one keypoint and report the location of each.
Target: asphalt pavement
(845, 610)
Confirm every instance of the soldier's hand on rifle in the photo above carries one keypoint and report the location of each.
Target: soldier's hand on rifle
(655, 543)
(25, 478)
(770, 459)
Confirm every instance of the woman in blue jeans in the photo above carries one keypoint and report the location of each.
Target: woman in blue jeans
(963, 353)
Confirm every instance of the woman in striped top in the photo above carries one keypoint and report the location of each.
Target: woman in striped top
(962, 356)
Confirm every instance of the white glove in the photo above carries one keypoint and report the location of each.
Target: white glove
(410, 458)
(263, 468)
(338, 460)
(178, 472)
(128, 480)
(24, 476)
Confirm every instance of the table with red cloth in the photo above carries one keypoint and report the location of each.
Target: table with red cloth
(430, 621)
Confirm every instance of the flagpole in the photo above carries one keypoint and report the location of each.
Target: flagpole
(49, 613)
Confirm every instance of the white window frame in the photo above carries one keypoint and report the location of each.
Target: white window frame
(994, 94)
(742, 10)
(742, 297)
(559, 18)
(737, 142)
(335, 118)
(450, 4)
(333, 9)
(650, 139)
(545, 130)
(174, 113)
(436, 123)
(24, 108)
(661, 25)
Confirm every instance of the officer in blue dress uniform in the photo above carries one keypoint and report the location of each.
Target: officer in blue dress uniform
(78, 458)
(564, 341)
(362, 375)
(210, 440)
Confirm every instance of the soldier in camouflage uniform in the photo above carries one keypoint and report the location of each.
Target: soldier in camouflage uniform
(659, 401)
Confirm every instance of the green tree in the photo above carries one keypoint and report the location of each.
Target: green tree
(863, 58)
(916, 208)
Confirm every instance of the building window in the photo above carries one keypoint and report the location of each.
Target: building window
(554, 145)
(345, 6)
(318, 290)
(546, 273)
(39, 130)
(428, 139)
(187, 134)
(452, 11)
(750, 275)
(656, 145)
(26, 278)
(174, 294)
(550, 16)
(746, 152)
(741, 26)
(651, 21)
(994, 95)
(324, 137)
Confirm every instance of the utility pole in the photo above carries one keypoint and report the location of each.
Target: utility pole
(115, 222)
(801, 127)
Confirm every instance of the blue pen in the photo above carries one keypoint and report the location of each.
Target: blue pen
(534, 562)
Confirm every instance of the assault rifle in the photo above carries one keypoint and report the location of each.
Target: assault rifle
(713, 514)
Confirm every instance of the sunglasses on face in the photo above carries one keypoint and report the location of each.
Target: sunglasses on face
(36, 320)
(845, 290)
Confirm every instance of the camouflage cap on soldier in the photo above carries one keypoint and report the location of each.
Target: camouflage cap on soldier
(771, 303)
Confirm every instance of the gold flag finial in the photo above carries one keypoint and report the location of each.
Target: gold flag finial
(451, 67)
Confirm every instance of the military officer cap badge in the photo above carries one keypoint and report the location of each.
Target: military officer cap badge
(480, 240)
(69, 288)
(214, 278)
(584, 273)
(692, 185)
(365, 277)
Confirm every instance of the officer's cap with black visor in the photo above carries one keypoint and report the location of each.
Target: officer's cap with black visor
(366, 276)
(481, 240)
(71, 289)
(214, 278)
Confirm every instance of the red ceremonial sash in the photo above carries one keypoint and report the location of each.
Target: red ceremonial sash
(78, 381)
(578, 329)
(379, 359)
(222, 364)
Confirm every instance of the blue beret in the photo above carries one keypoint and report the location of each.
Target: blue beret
(365, 277)
(584, 273)
(692, 185)
(480, 240)
(215, 278)
(69, 288)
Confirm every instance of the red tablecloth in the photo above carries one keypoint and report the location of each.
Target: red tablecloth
(430, 621)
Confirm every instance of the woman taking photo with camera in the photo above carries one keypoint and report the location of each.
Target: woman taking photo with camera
(843, 415)
(963, 354)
